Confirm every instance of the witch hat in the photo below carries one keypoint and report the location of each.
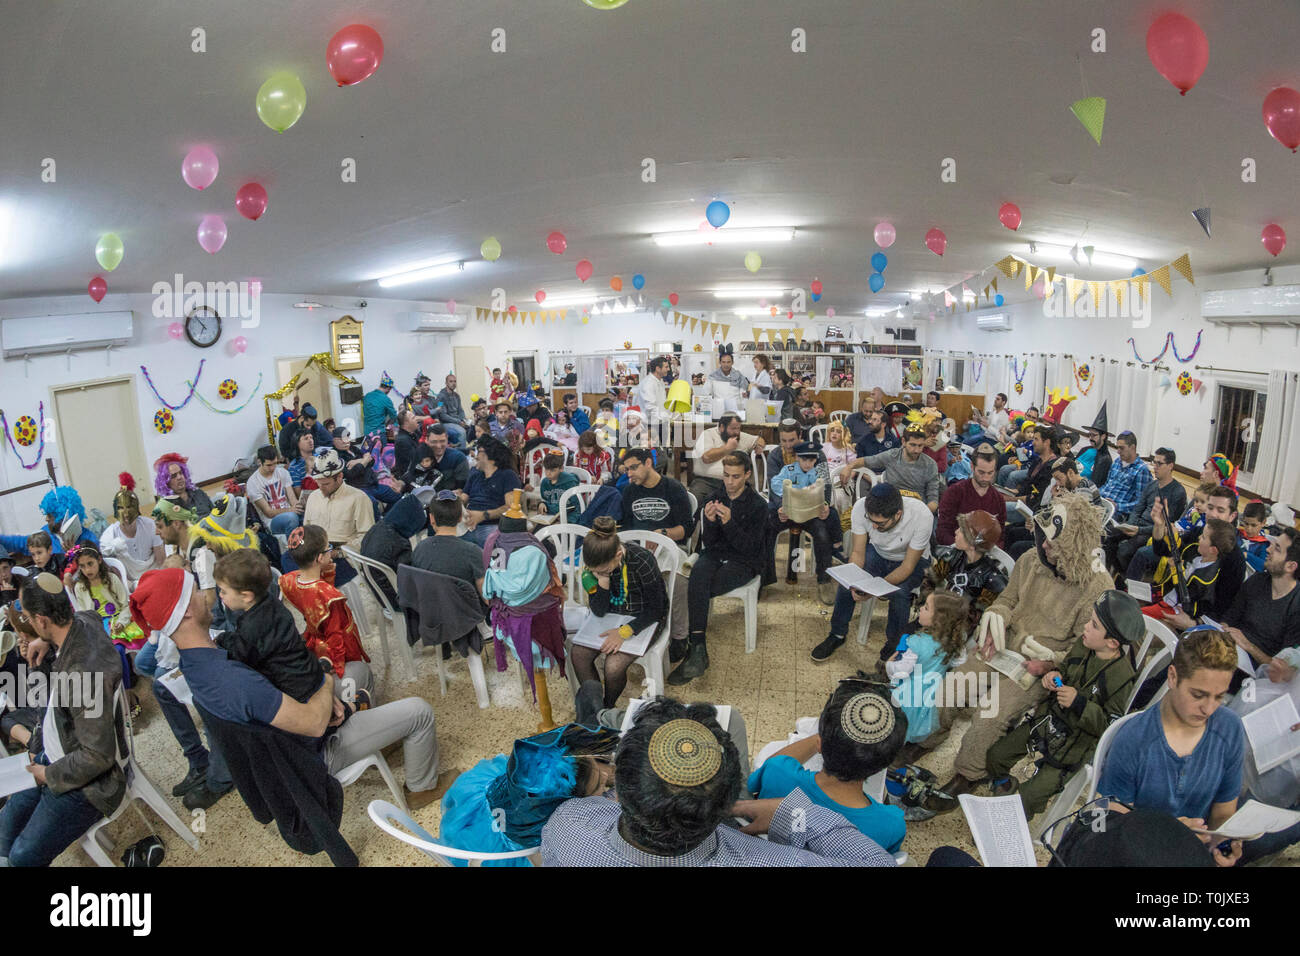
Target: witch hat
(1099, 423)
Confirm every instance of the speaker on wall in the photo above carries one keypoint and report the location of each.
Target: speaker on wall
(349, 394)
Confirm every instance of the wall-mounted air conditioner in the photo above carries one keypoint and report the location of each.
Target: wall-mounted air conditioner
(43, 334)
(1262, 305)
(430, 322)
(994, 322)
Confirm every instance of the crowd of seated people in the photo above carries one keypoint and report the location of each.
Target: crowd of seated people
(203, 585)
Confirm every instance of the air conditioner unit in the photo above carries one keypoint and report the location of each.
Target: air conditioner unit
(42, 334)
(993, 322)
(430, 322)
(1262, 305)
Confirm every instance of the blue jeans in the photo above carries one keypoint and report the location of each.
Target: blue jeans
(284, 523)
(455, 435)
(1144, 562)
(182, 726)
(480, 534)
(900, 602)
(1269, 842)
(1011, 475)
(37, 825)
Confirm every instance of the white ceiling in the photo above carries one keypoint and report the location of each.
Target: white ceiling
(454, 143)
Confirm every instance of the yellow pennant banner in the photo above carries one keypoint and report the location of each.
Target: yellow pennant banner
(1161, 276)
(726, 331)
(1118, 287)
(1184, 266)
(798, 337)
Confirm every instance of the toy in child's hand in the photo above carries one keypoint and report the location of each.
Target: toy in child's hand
(1056, 681)
(902, 646)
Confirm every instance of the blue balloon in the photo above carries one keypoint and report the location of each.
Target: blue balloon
(816, 296)
(1139, 271)
(638, 281)
(718, 212)
(877, 282)
(879, 261)
(998, 300)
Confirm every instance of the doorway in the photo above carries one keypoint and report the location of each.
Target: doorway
(524, 366)
(97, 427)
(318, 388)
(1239, 428)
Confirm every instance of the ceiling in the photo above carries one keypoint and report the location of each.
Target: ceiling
(454, 143)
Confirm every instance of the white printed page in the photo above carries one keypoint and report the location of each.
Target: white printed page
(1269, 732)
(1000, 830)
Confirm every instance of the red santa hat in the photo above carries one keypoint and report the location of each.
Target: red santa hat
(160, 601)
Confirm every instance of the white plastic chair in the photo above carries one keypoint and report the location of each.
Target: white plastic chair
(388, 818)
(587, 409)
(584, 476)
(747, 594)
(533, 470)
(1108, 507)
(388, 619)
(1004, 560)
(138, 787)
(861, 474)
(691, 540)
(1084, 782)
(839, 416)
(120, 568)
(567, 539)
(353, 771)
(758, 462)
(791, 544)
(817, 435)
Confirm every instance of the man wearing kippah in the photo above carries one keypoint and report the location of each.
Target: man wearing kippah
(908, 468)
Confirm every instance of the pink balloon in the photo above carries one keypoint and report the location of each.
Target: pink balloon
(239, 344)
(1178, 50)
(1009, 215)
(250, 200)
(212, 233)
(176, 331)
(830, 313)
(199, 168)
(584, 269)
(885, 235)
(255, 287)
(556, 242)
(1282, 116)
(451, 306)
(354, 53)
(1273, 237)
(98, 288)
(936, 241)
(762, 303)
(540, 296)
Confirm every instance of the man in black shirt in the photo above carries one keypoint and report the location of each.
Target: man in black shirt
(1265, 616)
(405, 445)
(653, 502)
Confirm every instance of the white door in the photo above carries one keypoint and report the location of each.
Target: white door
(97, 425)
(471, 375)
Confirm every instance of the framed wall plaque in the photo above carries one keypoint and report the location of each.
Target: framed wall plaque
(345, 343)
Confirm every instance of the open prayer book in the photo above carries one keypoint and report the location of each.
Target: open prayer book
(1021, 507)
(1140, 590)
(543, 518)
(1011, 664)
(852, 576)
(1269, 732)
(14, 776)
(589, 635)
(1000, 829)
(1254, 820)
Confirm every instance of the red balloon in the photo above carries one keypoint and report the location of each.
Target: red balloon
(936, 241)
(556, 242)
(816, 287)
(1178, 49)
(98, 288)
(1009, 216)
(354, 53)
(672, 297)
(540, 296)
(250, 200)
(584, 269)
(1274, 238)
(511, 309)
(1282, 116)
(790, 314)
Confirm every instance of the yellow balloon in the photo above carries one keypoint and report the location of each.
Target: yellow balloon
(753, 261)
(281, 100)
(491, 249)
(109, 250)
(605, 4)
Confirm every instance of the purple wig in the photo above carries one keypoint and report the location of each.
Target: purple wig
(162, 466)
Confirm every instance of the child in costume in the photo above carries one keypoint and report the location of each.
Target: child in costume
(1194, 517)
(1253, 542)
(331, 631)
(916, 670)
(499, 389)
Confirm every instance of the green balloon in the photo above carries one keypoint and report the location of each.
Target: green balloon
(665, 303)
(491, 249)
(109, 250)
(281, 100)
(605, 4)
(753, 261)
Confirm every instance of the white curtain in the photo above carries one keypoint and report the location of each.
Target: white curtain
(1277, 469)
(993, 379)
(823, 375)
(591, 374)
(874, 370)
(1135, 407)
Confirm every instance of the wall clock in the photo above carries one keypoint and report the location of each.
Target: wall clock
(203, 326)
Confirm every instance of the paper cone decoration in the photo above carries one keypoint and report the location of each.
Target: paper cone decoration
(1074, 254)
(1161, 276)
(679, 396)
(1074, 288)
(1166, 381)
(798, 337)
(1051, 275)
(726, 331)
(757, 335)
(1202, 216)
(994, 284)
(1087, 251)
(1184, 267)
(1031, 273)
(1196, 385)
(1091, 112)
(1118, 286)
(1095, 289)
(1007, 266)
(693, 321)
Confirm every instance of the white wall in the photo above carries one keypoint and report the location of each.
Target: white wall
(1182, 422)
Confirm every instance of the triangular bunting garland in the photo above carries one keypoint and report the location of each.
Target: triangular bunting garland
(1007, 266)
(1091, 112)
(1118, 286)
(1095, 289)
(1184, 266)
(726, 331)
(1161, 276)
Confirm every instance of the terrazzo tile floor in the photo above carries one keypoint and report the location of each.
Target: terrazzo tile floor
(771, 687)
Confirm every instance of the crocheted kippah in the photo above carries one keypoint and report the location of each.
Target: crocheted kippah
(867, 718)
(684, 753)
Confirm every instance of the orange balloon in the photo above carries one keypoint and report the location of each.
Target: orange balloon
(616, 284)
(773, 310)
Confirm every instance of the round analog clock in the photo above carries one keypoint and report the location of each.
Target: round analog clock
(203, 326)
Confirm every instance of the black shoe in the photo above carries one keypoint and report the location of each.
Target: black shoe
(202, 798)
(677, 650)
(696, 663)
(195, 778)
(826, 648)
(1004, 786)
(791, 576)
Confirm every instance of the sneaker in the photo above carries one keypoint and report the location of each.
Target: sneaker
(1004, 786)
(677, 650)
(826, 589)
(696, 663)
(195, 778)
(416, 799)
(826, 648)
(201, 798)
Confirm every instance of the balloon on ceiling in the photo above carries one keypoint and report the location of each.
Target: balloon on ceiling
(753, 261)
(1274, 238)
(885, 235)
(490, 249)
(604, 4)
(212, 233)
(250, 200)
(638, 281)
(877, 282)
(616, 283)
(879, 261)
(109, 251)
(584, 269)
(540, 296)
(1009, 216)
(97, 288)
(199, 167)
(998, 300)
(1178, 50)
(281, 100)
(672, 298)
(354, 53)
(1282, 116)
(556, 242)
(936, 241)
(717, 212)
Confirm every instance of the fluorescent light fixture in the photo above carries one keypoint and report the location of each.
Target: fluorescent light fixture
(308, 305)
(569, 298)
(744, 292)
(421, 273)
(696, 237)
(748, 310)
(1061, 253)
